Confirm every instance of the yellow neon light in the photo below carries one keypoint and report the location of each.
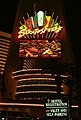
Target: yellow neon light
(29, 104)
(2, 62)
(32, 78)
(22, 104)
(1, 52)
(5, 40)
(7, 44)
(2, 59)
(26, 70)
(37, 92)
(3, 49)
(1, 55)
(2, 65)
(4, 46)
(48, 20)
(36, 85)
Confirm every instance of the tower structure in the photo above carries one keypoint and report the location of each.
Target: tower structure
(32, 74)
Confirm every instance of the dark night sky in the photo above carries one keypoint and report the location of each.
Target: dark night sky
(8, 11)
(72, 10)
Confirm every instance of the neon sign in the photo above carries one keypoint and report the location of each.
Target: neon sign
(30, 29)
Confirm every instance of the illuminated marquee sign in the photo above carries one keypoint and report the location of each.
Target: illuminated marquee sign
(58, 107)
(30, 29)
(40, 48)
(38, 36)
